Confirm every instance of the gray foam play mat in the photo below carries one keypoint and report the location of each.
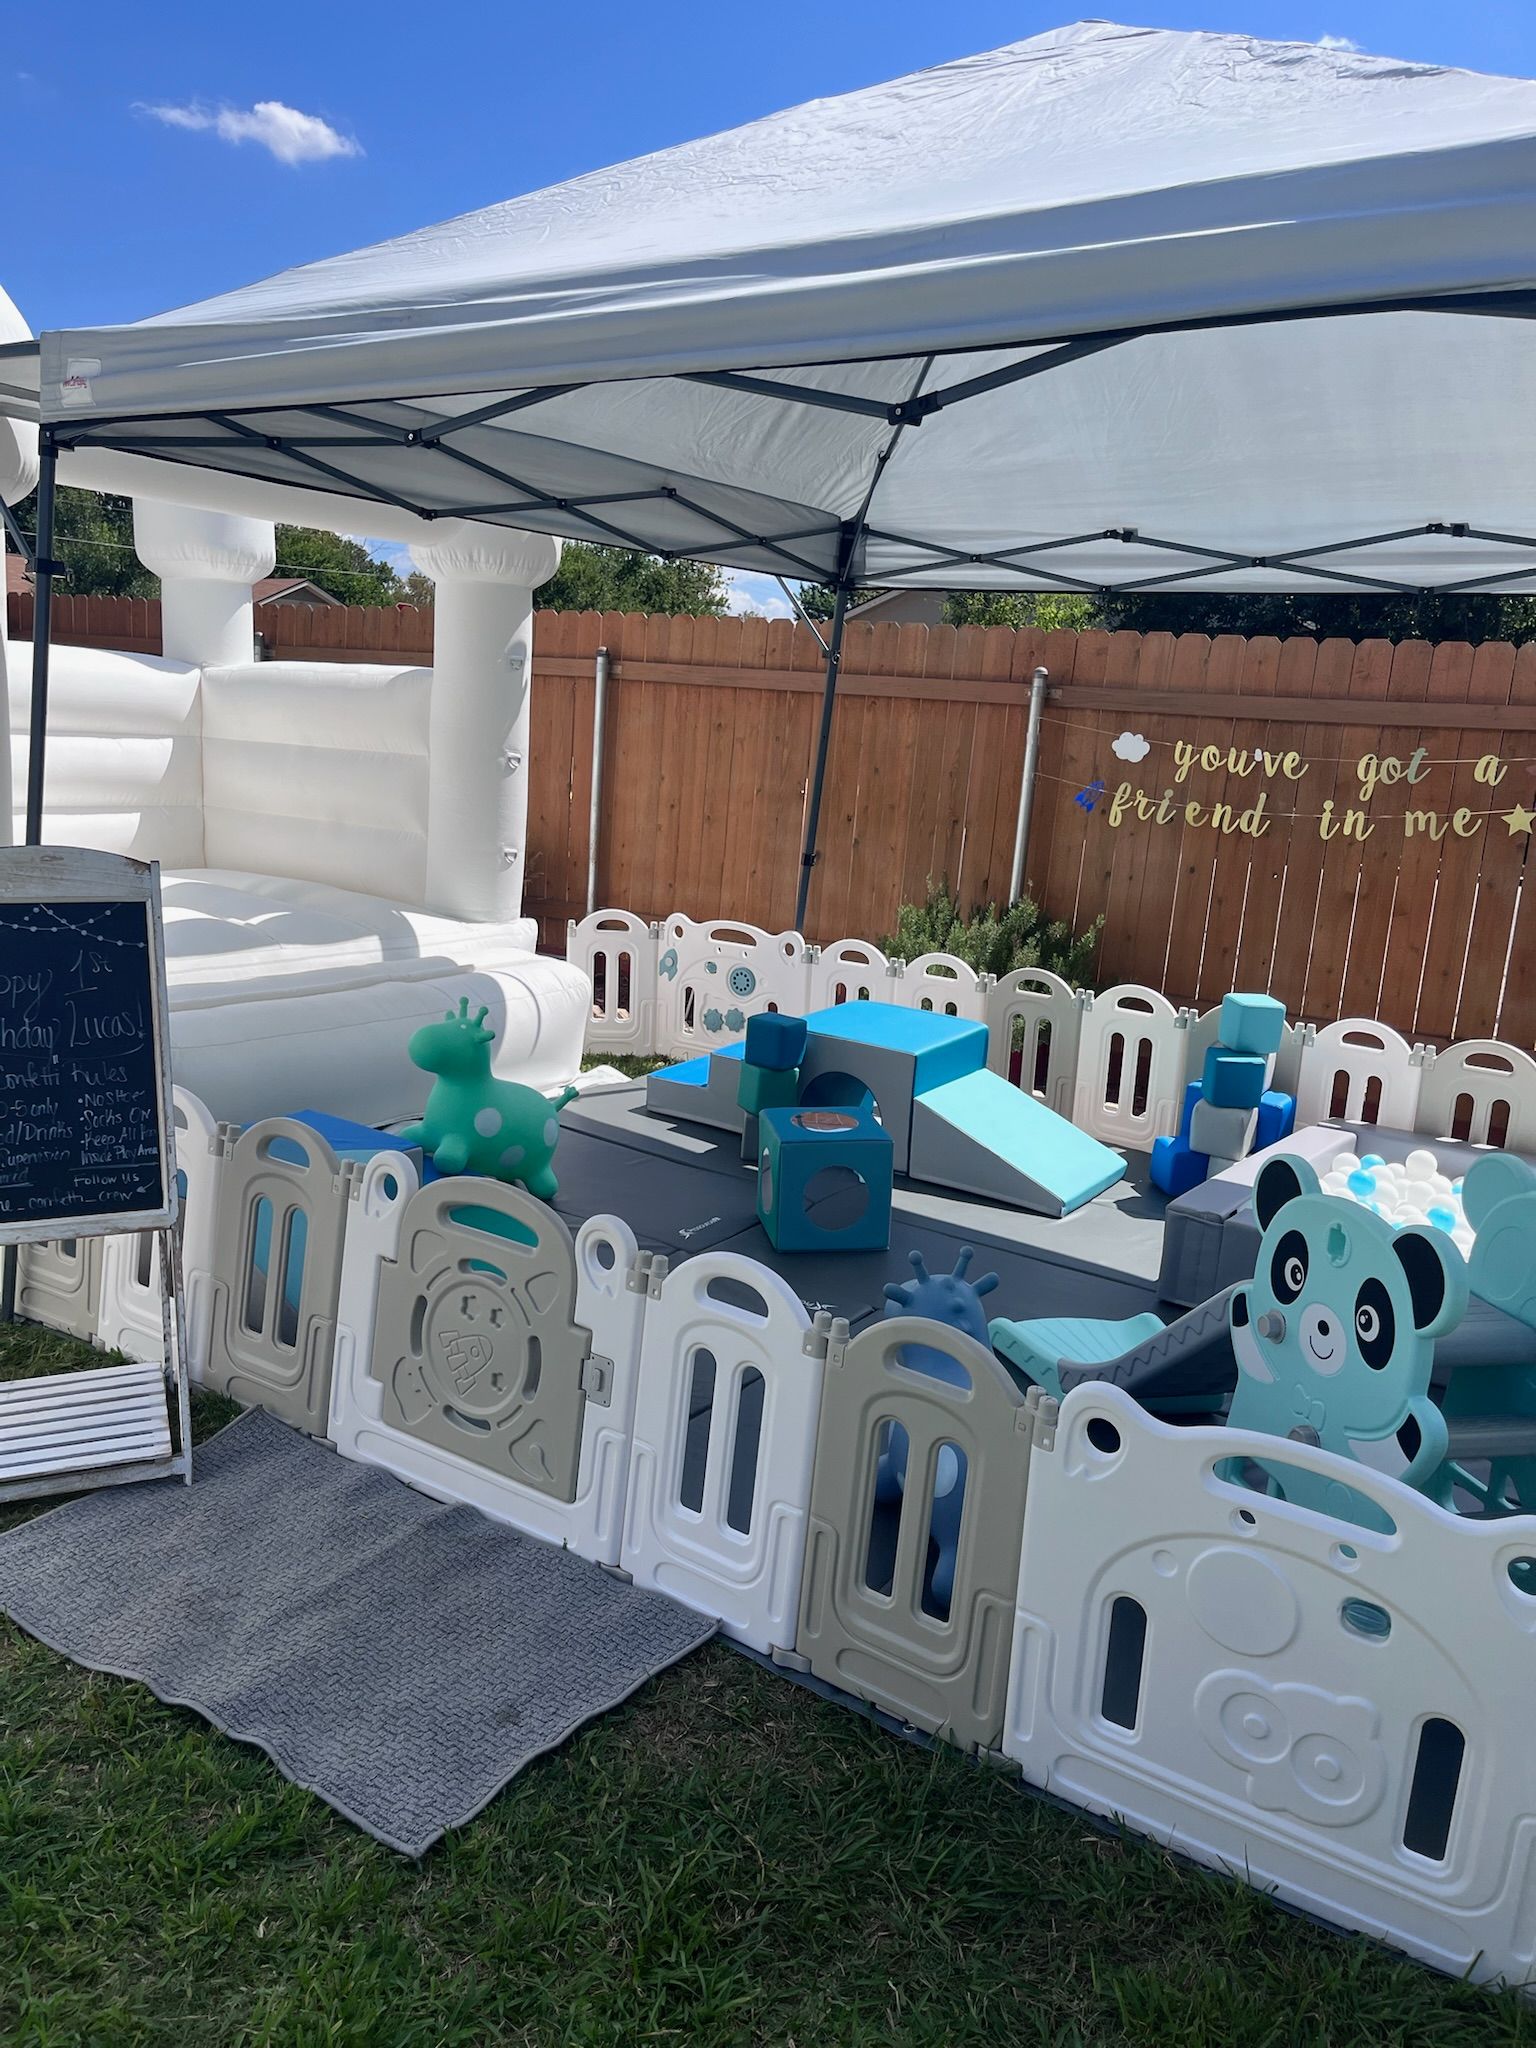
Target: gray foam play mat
(400, 1658)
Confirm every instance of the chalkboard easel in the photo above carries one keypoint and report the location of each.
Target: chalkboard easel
(88, 1148)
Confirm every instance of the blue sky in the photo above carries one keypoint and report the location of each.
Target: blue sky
(178, 150)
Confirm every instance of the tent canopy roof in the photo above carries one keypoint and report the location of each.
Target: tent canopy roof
(1108, 306)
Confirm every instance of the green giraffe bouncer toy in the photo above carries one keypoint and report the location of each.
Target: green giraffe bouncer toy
(476, 1122)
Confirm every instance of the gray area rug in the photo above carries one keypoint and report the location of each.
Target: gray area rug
(400, 1658)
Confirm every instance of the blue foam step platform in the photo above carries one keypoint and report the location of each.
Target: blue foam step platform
(703, 1090)
(984, 1136)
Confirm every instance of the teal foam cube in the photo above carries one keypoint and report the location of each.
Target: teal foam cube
(1233, 1080)
(805, 1208)
(1252, 1024)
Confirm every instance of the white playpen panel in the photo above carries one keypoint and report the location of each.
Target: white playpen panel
(1339, 1715)
(1361, 1072)
(1130, 1067)
(724, 1438)
(1481, 1092)
(941, 983)
(610, 1302)
(129, 1316)
(712, 977)
(850, 971)
(617, 952)
(1036, 1006)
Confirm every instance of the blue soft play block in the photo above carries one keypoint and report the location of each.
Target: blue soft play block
(775, 1041)
(1192, 1095)
(1277, 1118)
(1175, 1168)
(1233, 1080)
(795, 1147)
(354, 1141)
(346, 1139)
(1252, 1024)
(941, 1048)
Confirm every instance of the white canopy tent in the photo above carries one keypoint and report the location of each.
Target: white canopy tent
(1111, 308)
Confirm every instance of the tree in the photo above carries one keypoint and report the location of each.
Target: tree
(1365, 617)
(342, 568)
(1052, 611)
(93, 538)
(418, 589)
(593, 578)
(819, 598)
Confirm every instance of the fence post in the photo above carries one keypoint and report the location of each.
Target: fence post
(1037, 683)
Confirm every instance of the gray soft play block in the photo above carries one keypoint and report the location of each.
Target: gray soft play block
(885, 1070)
(623, 1119)
(1221, 1133)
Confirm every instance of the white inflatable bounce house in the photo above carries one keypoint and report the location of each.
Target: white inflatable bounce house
(341, 847)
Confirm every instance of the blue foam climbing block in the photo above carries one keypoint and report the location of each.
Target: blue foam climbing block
(1277, 1118)
(1252, 1024)
(775, 1041)
(1175, 1167)
(796, 1147)
(1233, 1080)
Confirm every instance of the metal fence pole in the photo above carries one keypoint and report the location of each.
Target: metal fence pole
(1037, 683)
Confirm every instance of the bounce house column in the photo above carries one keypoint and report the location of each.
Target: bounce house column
(477, 801)
(206, 562)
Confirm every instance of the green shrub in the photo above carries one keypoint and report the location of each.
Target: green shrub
(994, 942)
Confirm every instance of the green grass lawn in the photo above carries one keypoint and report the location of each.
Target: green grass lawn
(724, 1860)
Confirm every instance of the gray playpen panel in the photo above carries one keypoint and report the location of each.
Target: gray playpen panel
(278, 1242)
(868, 1621)
(476, 1345)
(58, 1284)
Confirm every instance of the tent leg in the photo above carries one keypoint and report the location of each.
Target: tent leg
(42, 622)
(810, 855)
(42, 627)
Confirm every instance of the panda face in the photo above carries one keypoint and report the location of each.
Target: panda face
(1336, 1328)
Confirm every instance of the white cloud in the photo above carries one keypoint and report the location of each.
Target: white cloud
(756, 596)
(1337, 43)
(292, 137)
(1131, 746)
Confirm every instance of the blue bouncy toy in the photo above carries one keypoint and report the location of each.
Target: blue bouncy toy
(948, 1298)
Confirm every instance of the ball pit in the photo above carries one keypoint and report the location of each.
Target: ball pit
(1412, 1190)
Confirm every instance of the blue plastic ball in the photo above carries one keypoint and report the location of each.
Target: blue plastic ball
(1372, 1159)
(1442, 1218)
(1361, 1183)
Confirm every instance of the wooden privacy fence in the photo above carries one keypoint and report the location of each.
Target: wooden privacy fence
(1344, 826)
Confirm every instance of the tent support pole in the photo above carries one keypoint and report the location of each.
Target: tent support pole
(1037, 683)
(834, 644)
(45, 568)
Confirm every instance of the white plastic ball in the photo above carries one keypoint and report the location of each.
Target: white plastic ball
(1422, 1165)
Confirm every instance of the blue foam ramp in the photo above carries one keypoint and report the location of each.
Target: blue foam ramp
(984, 1136)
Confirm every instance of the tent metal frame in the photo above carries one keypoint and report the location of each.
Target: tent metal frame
(340, 427)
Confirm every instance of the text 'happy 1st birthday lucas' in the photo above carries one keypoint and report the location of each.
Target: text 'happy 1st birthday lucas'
(1334, 819)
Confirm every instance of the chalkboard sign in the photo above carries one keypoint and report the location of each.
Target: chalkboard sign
(86, 1143)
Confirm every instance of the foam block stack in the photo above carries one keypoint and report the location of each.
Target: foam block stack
(1229, 1112)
